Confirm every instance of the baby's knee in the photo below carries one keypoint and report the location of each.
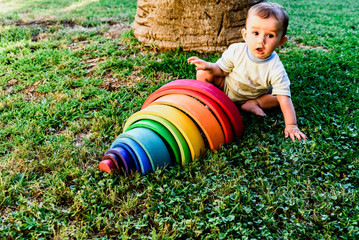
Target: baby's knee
(207, 77)
(204, 76)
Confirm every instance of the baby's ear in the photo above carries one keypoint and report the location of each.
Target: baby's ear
(244, 33)
(283, 40)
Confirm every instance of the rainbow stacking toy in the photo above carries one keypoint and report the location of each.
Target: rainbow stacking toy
(174, 126)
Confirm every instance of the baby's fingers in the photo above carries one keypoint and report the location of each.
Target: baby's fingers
(295, 134)
(292, 136)
(302, 135)
(200, 65)
(191, 59)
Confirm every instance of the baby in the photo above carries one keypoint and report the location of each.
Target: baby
(251, 73)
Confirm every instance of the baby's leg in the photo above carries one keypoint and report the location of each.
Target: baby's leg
(257, 106)
(205, 76)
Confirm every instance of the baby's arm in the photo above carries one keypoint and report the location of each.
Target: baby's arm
(212, 68)
(291, 129)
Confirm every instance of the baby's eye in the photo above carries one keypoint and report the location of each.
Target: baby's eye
(270, 35)
(255, 33)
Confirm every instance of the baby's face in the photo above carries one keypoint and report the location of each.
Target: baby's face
(263, 36)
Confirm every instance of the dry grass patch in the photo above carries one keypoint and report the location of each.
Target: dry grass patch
(116, 30)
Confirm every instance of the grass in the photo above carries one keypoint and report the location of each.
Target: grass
(71, 73)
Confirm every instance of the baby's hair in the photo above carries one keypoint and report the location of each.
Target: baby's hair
(267, 9)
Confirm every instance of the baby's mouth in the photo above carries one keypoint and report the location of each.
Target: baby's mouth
(260, 50)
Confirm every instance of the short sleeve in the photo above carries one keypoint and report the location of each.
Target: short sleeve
(280, 82)
(226, 62)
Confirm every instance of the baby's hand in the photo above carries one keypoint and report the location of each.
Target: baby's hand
(293, 132)
(200, 64)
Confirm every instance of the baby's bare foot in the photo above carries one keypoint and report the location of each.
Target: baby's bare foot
(253, 107)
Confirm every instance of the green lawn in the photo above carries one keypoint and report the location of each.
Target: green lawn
(71, 73)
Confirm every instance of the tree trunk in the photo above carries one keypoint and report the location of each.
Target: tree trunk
(202, 25)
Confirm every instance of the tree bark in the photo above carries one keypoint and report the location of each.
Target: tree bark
(203, 25)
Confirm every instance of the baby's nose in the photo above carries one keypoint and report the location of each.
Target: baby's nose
(260, 44)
